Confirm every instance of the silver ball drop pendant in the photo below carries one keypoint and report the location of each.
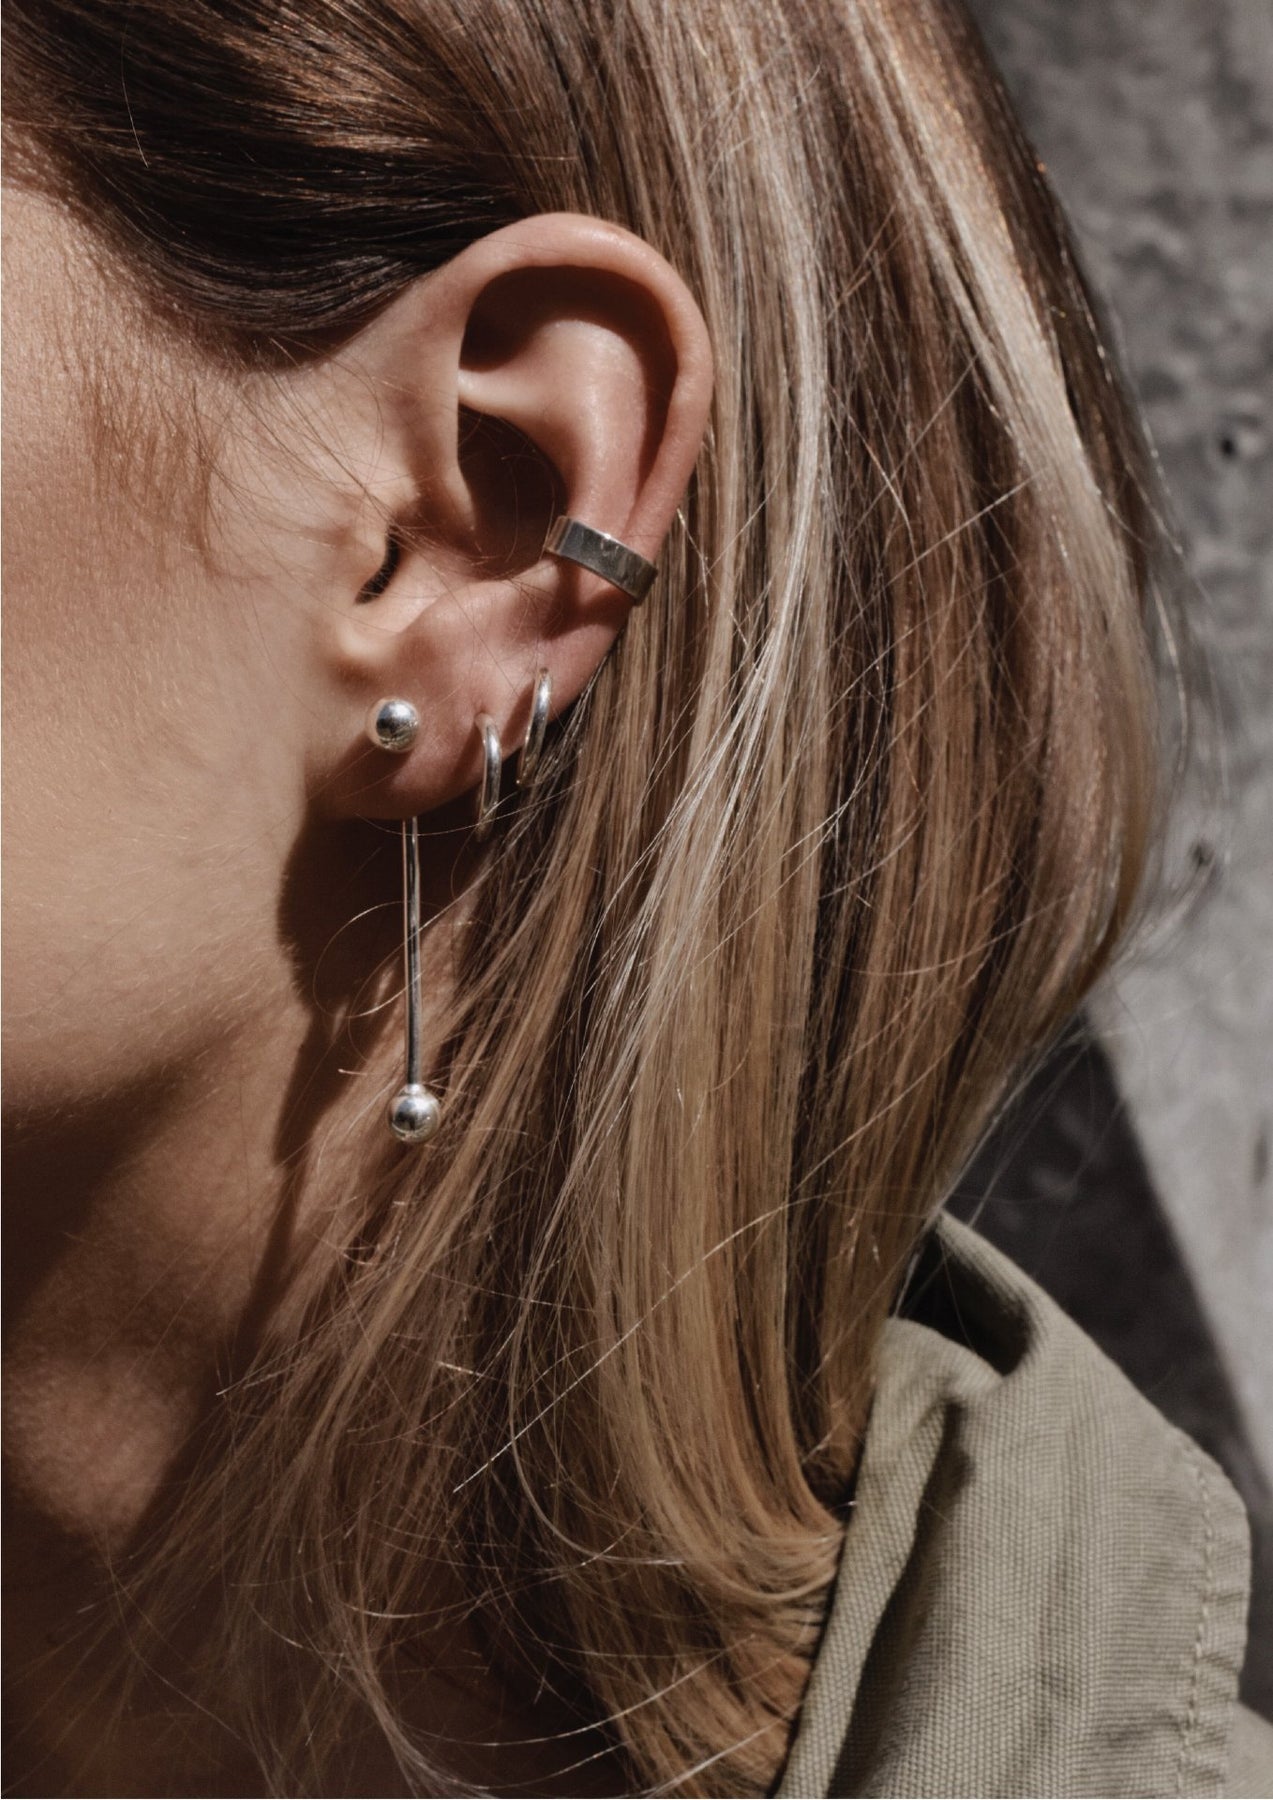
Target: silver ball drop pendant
(414, 1113)
(393, 724)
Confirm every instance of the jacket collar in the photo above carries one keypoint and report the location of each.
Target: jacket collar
(1043, 1585)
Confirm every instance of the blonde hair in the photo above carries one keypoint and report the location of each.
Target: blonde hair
(835, 840)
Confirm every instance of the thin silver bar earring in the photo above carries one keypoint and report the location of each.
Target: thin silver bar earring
(415, 1112)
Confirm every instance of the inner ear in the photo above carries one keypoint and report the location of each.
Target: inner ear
(528, 303)
(515, 490)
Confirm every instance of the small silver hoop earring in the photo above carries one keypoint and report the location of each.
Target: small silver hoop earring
(616, 563)
(488, 787)
(528, 762)
(393, 724)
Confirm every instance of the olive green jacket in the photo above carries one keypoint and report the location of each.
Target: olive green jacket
(1043, 1587)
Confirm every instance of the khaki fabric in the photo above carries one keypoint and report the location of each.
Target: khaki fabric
(1251, 1764)
(1043, 1586)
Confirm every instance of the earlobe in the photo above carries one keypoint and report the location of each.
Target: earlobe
(557, 367)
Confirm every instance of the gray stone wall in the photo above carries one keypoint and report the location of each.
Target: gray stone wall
(1155, 119)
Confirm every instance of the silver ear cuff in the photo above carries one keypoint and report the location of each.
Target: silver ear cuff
(415, 1112)
(603, 554)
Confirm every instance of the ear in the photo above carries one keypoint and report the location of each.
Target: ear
(557, 365)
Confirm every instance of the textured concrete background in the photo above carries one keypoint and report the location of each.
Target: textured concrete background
(1155, 118)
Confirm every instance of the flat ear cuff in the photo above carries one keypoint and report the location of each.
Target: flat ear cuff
(604, 555)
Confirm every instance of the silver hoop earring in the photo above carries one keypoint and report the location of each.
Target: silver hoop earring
(393, 724)
(488, 787)
(528, 761)
(415, 1112)
(603, 554)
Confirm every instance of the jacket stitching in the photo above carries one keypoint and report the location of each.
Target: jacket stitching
(1189, 1724)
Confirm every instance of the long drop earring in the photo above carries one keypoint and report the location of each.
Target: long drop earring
(415, 1112)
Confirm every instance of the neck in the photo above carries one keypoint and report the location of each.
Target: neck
(150, 1241)
(150, 1232)
(160, 1229)
(152, 1229)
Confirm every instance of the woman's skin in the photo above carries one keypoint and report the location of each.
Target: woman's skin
(190, 658)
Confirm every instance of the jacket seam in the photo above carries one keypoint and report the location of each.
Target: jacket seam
(1189, 1723)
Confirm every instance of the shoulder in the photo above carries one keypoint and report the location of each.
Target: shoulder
(1044, 1584)
(1251, 1765)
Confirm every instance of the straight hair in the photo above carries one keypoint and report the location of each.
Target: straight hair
(880, 783)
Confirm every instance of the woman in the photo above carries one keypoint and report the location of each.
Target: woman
(534, 1415)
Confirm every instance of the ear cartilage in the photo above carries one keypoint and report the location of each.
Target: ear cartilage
(616, 563)
(392, 725)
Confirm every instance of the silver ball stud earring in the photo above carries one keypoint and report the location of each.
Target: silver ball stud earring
(392, 724)
(415, 1112)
